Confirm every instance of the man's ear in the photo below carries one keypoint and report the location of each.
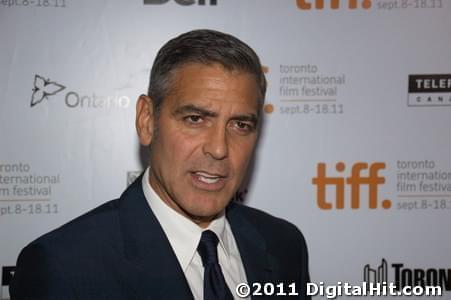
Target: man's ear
(144, 119)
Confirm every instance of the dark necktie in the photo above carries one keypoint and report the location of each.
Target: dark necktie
(215, 287)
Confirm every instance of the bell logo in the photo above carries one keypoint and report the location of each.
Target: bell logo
(355, 181)
(334, 4)
(181, 2)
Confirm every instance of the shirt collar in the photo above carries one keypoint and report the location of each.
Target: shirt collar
(182, 233)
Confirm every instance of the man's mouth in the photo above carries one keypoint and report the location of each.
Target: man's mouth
(208, 178)
(208, 181)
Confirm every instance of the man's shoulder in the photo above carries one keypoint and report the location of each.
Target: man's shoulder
(96, 225)
(74, 249)
(99, 225)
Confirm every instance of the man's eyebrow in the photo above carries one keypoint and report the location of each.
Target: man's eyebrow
(247, 117)
(190, 108)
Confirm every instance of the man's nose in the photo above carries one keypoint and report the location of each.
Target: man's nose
(216, 144)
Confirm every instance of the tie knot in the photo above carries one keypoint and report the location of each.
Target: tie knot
(207, 248)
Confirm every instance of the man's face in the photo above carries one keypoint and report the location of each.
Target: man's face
(203, 139)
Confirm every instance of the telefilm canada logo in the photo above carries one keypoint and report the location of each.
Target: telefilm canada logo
(45, 88)
(333, 4)
(7, 275)
(402, 275)
(429, 90)
(351, 184)
(183, 2)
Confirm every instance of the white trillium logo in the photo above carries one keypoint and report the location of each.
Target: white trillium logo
(43, 88)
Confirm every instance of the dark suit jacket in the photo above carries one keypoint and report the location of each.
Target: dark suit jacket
(119, 251)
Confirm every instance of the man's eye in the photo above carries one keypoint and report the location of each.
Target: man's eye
(193, 119)
(243, 126)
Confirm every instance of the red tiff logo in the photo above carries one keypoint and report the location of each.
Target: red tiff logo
(333, 4)
(355, 182)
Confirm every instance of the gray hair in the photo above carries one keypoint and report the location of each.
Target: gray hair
(205, 47)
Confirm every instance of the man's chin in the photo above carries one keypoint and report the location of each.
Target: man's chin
(204, 214)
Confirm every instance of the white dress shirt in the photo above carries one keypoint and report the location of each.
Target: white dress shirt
(184, 236)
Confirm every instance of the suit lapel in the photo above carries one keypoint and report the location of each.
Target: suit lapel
(153, 270)
(258, 263)
(153, 264)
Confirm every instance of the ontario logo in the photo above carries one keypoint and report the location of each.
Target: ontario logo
(403, 276)
(333, 4)
(43, 88)
(354, 182)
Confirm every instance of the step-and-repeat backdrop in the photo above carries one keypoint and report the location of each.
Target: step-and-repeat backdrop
(355, 149)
